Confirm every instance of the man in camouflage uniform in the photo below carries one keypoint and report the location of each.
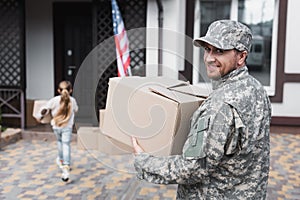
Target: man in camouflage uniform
(226, 155)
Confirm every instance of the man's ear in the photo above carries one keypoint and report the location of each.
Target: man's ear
(242, 58)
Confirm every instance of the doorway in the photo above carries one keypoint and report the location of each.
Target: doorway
(72, 23)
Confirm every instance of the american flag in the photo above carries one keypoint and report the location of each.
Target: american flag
(121, 40)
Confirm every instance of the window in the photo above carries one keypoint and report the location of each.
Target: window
(260, 17)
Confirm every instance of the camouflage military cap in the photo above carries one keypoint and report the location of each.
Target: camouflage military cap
(226, 35)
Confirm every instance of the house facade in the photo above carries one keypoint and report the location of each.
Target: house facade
(43, 42)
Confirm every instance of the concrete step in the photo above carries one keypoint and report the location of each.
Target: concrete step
(9, 136)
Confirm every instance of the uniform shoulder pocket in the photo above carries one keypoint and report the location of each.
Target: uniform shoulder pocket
(195, 146)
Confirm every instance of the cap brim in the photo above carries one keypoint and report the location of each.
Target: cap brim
(200, 42)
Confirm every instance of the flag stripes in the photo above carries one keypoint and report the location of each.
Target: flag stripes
(121, 41)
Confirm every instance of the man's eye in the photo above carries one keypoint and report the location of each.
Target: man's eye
(219, 51)
(206, 49)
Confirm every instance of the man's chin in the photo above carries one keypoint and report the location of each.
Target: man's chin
(214, 77)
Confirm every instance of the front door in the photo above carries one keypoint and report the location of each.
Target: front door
(72, 38)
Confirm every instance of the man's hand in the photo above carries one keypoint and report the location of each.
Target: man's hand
(136, 147)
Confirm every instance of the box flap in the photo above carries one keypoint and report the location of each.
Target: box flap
(164, 92)
(184, 94)
(134, 81)
(192, 90)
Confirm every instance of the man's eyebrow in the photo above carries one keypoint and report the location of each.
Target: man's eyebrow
(206, 46)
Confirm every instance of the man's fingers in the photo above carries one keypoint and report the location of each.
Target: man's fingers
(134, 142)
(136, 146)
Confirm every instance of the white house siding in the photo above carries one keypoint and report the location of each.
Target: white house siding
(290, 104)
(173, 34)
(39, 49)
(291, 93)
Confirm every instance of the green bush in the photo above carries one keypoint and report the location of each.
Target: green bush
(1, 127)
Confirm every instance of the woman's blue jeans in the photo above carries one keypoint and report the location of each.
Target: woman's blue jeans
(64, 136)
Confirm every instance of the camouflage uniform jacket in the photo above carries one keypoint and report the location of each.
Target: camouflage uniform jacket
(226, 154)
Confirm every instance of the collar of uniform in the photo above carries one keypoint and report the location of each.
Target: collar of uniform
(230, 77)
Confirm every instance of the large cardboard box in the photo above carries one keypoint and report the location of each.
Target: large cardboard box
(36, 113)
(151, 110)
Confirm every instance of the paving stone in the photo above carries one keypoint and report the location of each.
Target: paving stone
(28, 171)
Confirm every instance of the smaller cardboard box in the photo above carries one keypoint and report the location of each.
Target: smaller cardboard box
(101, 117)
(38, 106)
(92, 138)
(148, 109)
(111, 146)
(87, 138)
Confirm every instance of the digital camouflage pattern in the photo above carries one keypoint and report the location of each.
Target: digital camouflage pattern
(226, 155)
(226, 35)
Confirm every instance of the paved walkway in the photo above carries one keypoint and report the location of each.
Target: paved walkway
(28, 171)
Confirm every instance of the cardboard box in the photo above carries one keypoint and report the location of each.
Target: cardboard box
(101, 117)
(151, 110)
(92, 138)
(87, 138)
(111, 146)
(37, 108)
